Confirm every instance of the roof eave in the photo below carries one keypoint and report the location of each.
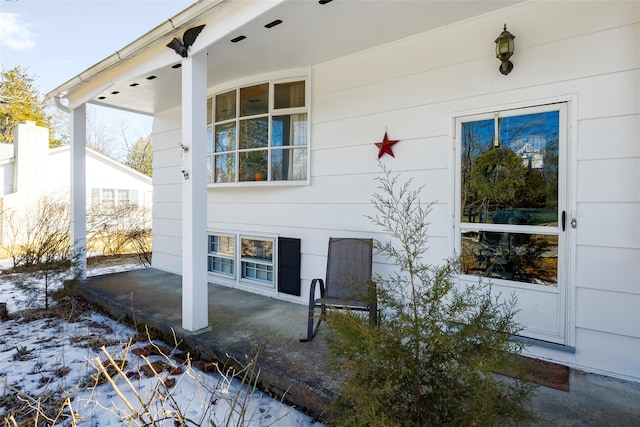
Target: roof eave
(138, 46)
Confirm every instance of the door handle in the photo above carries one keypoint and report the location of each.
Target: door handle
(564, 220)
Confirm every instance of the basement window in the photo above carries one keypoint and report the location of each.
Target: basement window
(221, 254)
(257, 259)
(266, 262)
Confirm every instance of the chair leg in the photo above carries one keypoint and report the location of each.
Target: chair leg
(311, 331)
(315, 329)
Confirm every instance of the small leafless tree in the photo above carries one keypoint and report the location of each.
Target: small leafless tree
(37, 237)
(38, 233)
(120, 230)
(40, 237)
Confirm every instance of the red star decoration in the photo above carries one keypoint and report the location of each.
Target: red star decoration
(385, 146)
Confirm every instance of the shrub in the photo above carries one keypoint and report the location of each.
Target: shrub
(431, 359)
(38, 233)
(120, 230)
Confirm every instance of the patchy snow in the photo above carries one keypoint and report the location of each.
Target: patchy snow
(47, 355)
(21, 291)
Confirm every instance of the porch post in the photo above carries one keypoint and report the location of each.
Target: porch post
(79, 190)
(194, 192)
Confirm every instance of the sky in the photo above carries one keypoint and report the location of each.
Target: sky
(57, 40)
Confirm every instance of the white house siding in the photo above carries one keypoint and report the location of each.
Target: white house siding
(47, 171)
(7, 163)
(6, 176)
(35, 171)
(582, 52)
(167, 164)
(102, 172)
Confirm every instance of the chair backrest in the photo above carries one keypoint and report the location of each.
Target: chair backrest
(349, 268)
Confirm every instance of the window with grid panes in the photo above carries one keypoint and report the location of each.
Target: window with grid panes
(110, 198)
(256, 257)
(221, 255)
(258, 133)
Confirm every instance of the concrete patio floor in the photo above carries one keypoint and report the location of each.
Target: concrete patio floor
(241, 321)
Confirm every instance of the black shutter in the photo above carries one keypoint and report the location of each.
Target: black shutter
(289, 266)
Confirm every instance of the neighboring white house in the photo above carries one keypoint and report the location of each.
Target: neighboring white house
(29, 170)
(264, 142)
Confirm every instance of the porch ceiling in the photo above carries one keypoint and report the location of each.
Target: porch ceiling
(310, 33)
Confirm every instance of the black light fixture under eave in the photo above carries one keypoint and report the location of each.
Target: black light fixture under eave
(504, 50)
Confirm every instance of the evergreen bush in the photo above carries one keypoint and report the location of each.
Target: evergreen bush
(432, 358)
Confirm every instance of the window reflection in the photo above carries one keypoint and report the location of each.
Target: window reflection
(225, 167)
(257, 249)
(289, 164)
(253, 165)
(289, 95)
(254, 133)
(225, 137)
(254, 100)
(528, 258)
(511, 179)
(226, 106)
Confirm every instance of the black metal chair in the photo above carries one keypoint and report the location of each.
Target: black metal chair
(348, 284)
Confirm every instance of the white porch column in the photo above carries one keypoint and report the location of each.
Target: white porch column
(194, 193)
(79, 189)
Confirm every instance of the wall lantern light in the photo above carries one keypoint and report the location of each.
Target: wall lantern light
(504, 50)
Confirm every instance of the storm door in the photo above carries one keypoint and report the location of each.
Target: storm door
(511, 216)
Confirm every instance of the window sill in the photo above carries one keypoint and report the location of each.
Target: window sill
(259, 184)
(544, 344)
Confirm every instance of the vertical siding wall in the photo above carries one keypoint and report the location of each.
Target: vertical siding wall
(586, 52)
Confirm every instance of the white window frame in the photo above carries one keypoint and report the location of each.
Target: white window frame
(211, 124)
(132, 198)
(562, 191)
(239, 261)
(567, 197)
(265, 263)
(232, 257)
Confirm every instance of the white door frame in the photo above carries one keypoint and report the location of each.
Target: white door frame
(566, 196)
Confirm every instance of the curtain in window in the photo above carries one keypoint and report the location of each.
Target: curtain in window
(295, 159)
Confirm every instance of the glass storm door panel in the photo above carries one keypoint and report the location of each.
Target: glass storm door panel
(511, 211)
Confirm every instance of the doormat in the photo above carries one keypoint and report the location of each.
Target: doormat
(539, 372)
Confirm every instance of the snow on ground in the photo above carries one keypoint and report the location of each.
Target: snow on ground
(43, 356)
(26, 290)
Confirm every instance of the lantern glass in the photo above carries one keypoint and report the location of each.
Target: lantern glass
(504, 44)
(504, 49)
